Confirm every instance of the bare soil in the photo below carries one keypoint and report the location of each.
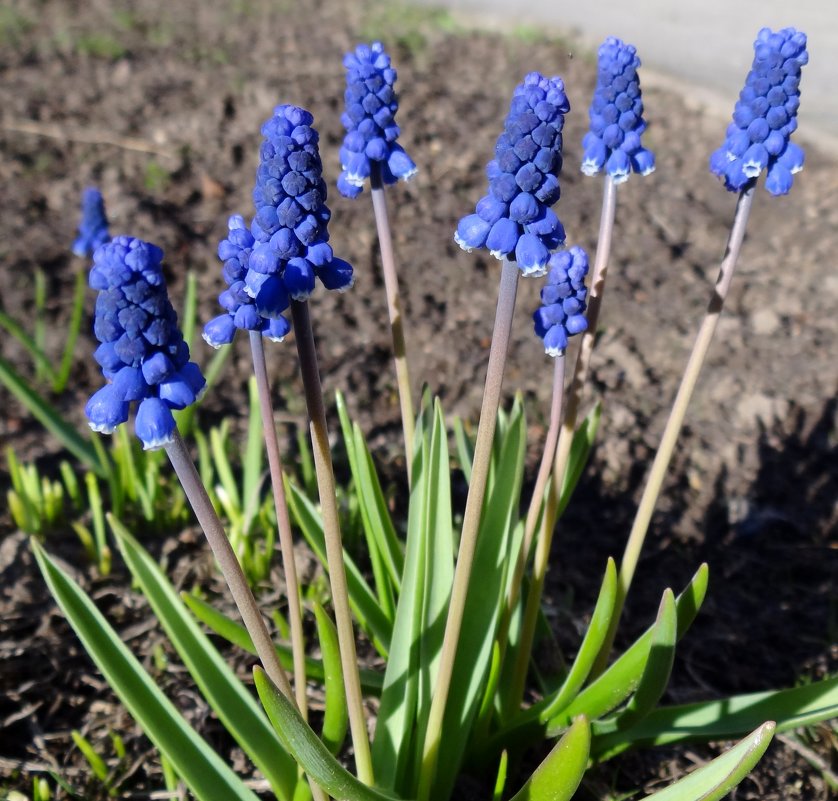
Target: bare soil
(160, 106)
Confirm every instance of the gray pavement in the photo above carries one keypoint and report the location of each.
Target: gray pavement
(700, 46)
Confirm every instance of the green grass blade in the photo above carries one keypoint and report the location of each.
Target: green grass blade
(50, 418)
(40, 335)
(308, 749)
(336, 715)
(623, 676)
(188, 314)
(205, 773)
(223, 468)
(59, 382)
(235, 633)
(225, 694)
(592, 642)
(559, 775)
(728, 718)
(361, 598)
(96, 763)
(715, 780)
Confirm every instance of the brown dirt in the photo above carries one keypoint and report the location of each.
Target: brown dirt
(752, 489)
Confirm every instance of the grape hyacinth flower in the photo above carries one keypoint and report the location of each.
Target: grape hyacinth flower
(93, 227)
(562, 313)
(142, 352)
(515, 221)
(241, 310)
(765, 116)
(616, 116)
(370, 122)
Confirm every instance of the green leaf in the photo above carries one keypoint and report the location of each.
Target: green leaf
(204, 772)
(728, 718)
(656, 672)
(188, 313)
(59, 382)
(307, 748)
(235, 633)
(50, 418)
(253, 459)
(715, 780)
(486, 596)
(558, 776)
(16, 330)
(361, 598)
(225, 694)
(592, 642)
(419, 625)
(465, 448)
(336, 715)
(97, 764)
(621, 679)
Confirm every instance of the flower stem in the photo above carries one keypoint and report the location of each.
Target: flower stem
(676, 416)
(394, 308)
(231, 570)
(286, 541)
(568, 428)
(471, 521)
(516, 692)
(309, 369)
(229, 564)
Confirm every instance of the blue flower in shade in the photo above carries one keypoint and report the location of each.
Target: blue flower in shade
(93, 227)
(765, 116)
(370, 122)
(515, 221)
(142, 352)
(562, 313)
(616, 115)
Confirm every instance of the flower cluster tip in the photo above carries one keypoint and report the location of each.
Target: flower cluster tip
(142, 352)
(515, 220)
(563, 299)
(370, 122)
(765, 116)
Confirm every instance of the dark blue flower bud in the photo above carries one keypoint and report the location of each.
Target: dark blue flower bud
(142, 353)
(93, 227)
(514, 220)
(616, 116)
(563, 299)
(765, 116)
(369, 119)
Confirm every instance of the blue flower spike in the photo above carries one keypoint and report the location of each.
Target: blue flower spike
(93, 227)
(616, 115)
(286, 247)
(370, 122)
(563, 299)
(142, 352)
(765, 116)
(515, 221)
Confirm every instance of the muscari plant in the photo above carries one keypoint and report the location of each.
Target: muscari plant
(453, 612)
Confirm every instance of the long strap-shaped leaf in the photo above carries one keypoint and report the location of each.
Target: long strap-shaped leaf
(308, 749)
(558, 776)
(485, 598)
(728, 718)
(51, 419)
(656, 673)
(234, 705)
(206, 775)
(622, 677)
(361, 598)
(235, 633)
(716, 779)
